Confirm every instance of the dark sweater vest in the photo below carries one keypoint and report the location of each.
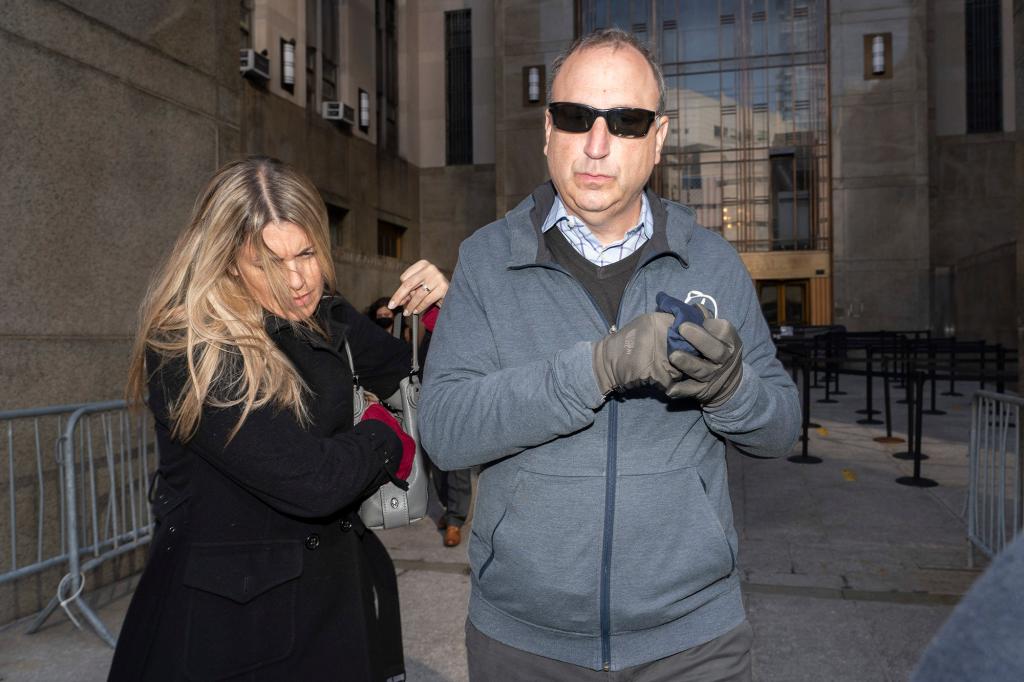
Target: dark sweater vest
(605, 283)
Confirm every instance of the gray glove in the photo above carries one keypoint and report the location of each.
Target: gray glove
(636, 355)
(713, 378)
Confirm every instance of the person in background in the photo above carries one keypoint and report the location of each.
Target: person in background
(260, 567)
(381, 314)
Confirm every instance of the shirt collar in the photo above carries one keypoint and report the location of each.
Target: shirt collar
(558, 213)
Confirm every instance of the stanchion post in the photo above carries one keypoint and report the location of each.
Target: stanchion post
(888, 437)
(869, 410)
(803, 457)
(917, 480)
(931, 378)
(1000, 368)
(952, 370)
(814, 357)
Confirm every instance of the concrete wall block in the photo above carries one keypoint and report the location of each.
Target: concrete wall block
(36, 371)
(58, 29)
(883, 223)
(987, 296)
(872, 295)
(99, 178)
(871, 137)
(454, 202)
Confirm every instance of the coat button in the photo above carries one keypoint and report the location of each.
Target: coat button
(171, 529)
(312, 541)
(346, 526)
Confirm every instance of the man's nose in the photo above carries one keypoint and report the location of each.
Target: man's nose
(598, 143)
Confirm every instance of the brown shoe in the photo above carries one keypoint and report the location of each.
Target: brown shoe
(452, 536)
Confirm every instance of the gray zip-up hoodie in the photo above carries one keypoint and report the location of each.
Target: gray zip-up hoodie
(603, 533)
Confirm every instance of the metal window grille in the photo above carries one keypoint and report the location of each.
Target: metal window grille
(329, 49)
(245, 23)
(387, 75)
(458, 78)
(389, 239)
(984, 70)
(312, 24)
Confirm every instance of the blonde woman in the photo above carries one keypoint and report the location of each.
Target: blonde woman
(260, 567)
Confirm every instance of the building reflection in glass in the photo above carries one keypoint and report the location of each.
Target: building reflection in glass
(747, 98)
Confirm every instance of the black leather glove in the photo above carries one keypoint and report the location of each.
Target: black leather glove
(713, 376)
(635, 355)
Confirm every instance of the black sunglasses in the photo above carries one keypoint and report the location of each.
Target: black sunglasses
(622, 121)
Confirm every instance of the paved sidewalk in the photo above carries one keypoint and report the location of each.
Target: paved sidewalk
(847, 574)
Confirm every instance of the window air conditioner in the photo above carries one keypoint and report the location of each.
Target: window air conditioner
(255, 65)
(339, 111)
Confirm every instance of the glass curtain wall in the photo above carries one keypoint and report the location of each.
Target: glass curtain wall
(747, 99)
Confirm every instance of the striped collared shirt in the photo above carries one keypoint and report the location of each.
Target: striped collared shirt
(587, 245)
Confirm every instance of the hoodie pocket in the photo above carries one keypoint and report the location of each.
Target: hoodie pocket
(543, 566)
(669, 549)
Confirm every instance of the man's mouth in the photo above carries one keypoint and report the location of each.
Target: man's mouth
(593, 178)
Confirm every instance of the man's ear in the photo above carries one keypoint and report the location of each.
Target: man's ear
(659, 139)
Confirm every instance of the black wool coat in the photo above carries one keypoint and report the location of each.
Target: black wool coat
(260, 568)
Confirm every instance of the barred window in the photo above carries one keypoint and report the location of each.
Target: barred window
(984, 70)
(311, 42)
(389, 239)
(387, 75)
(329, 46)
(245, 23)
(458, 86)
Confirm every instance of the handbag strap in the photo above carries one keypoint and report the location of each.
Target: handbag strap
(396, 331)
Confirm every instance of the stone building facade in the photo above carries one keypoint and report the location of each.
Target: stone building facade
(900, 212)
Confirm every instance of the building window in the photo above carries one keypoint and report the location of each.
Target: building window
(387, 76)
(245, 24)
(312, 41)
(288, 64)
(790, 198)
(329, 50)
(389, 239)
(533, 85)
(335, 220)
(364, 110)
(458, 79)
(984, 68)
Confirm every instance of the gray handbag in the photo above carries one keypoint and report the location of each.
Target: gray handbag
(390, 506)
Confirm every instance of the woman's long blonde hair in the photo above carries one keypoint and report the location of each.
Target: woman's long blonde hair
(198, 308)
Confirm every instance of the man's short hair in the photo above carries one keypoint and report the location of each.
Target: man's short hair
(614, 38)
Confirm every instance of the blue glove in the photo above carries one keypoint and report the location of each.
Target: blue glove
(683, 312)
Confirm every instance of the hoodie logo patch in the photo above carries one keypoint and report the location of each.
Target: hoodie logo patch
(705, 300)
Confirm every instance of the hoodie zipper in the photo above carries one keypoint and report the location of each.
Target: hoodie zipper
(611, 469)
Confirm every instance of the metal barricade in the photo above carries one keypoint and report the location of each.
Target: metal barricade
(95, 497)
(995, 504)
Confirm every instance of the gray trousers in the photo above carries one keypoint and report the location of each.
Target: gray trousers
(454, 492)
(724, 659)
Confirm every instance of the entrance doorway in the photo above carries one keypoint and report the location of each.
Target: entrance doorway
(783, 301)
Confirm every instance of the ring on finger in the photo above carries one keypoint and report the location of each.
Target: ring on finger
(425, 288)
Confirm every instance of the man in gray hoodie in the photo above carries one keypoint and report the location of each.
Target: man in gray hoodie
(602, 543)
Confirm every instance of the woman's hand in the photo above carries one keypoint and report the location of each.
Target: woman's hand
(378, 412)
(423, 285)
